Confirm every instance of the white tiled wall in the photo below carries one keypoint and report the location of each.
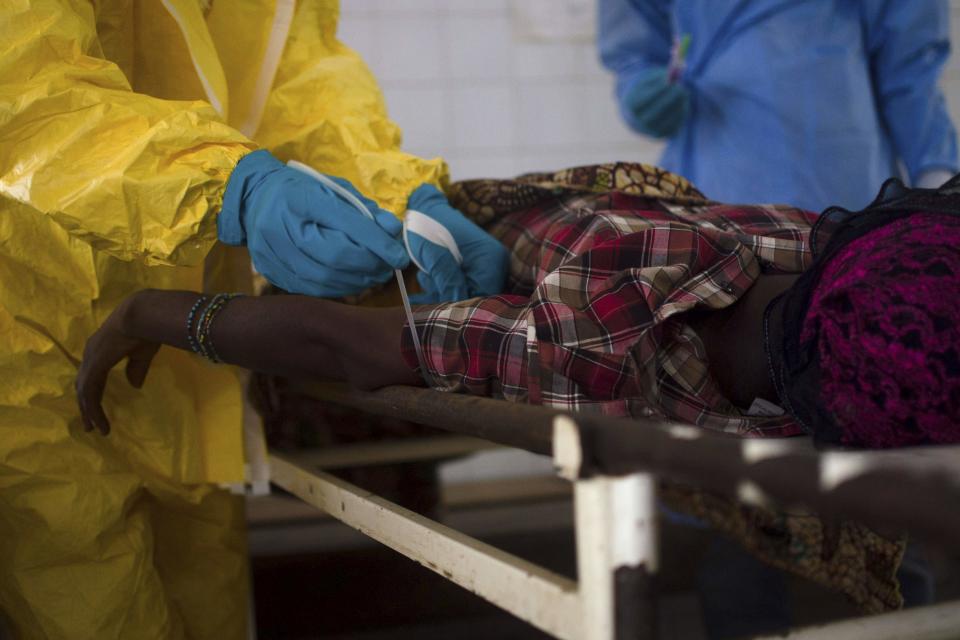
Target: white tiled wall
(497, 93)
(470, 80)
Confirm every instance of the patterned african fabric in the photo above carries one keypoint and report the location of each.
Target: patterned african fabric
(605, 262)
(843, 555)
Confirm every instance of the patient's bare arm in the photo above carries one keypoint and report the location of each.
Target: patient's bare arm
(289, 335)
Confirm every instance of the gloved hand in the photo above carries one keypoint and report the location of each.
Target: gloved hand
(480, 269)
(303, 236)
(654, 106)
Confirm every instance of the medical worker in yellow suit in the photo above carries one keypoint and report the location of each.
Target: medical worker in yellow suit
(133, 133)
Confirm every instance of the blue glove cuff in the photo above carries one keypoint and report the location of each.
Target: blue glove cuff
(251, 169)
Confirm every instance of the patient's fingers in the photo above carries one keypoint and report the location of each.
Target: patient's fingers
(91, 381)
(103, 351)
(87, 423)
(139, 363)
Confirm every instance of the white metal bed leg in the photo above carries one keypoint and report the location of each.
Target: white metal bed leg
(616, 543)
(616, 555)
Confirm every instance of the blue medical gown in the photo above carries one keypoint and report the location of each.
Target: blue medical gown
(810, 102)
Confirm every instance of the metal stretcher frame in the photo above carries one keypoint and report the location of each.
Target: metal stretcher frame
(613, 464)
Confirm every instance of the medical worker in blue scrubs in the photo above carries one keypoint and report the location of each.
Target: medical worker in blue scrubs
(812, 103)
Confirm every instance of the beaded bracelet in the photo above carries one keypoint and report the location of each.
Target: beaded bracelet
(204, 340)
(194, 345)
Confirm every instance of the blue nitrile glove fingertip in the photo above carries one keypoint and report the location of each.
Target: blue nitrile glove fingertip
(385, 239)
(388, 222)
(443, 277)
(453, 290)
(398, 257)
(492, 277)
(450, 282)
(424, 298)
(438, 292)
(428, 294)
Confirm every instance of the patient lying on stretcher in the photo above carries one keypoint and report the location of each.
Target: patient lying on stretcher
(631, 294)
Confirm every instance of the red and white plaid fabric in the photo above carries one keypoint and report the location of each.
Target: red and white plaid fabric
(593, 321)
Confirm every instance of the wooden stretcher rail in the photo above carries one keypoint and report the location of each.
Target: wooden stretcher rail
(915, 490)
(515, 425)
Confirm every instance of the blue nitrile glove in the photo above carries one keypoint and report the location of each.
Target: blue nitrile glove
(483, 270)
(304, 237)
(654, 106)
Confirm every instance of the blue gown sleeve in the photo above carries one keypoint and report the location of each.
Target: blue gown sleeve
(634, 36)
(908, 44)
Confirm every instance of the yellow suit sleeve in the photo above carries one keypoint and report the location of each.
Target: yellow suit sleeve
(325, 109)
(132, 175)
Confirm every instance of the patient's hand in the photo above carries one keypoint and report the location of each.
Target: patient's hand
(105, 349)
(286, 335)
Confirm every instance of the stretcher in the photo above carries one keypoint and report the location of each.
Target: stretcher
(613, 465)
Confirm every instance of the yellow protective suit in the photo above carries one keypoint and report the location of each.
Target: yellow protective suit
(120, 122)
